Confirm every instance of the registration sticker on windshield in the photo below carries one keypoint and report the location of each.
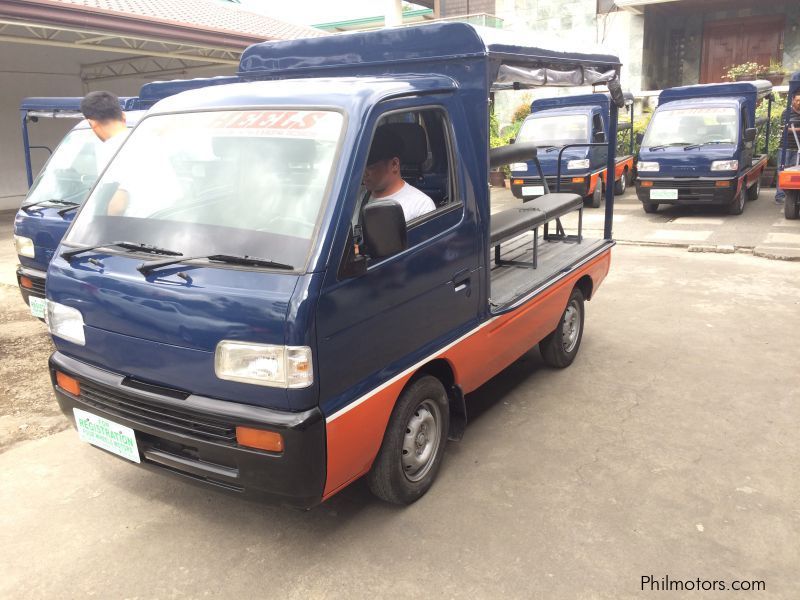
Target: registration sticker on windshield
(663, 194)
(107, 435)
(38, 306)
(316, 124)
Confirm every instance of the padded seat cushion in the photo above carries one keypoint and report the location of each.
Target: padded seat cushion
(514, 221)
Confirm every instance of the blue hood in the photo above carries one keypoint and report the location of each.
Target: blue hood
(45, 227)
(164, 330)
(696, 162)
(549, 162)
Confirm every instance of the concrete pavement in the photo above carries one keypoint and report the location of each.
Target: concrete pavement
(669, 447)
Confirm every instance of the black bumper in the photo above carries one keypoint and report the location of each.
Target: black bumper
(194, 437)
(690, 191)
(36, 277)
(567, 186)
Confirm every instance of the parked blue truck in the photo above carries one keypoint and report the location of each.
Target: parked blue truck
(699, 147)
(66, 179)
(253, 321)
(563, 129)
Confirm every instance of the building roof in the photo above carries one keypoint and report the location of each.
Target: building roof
(230, 22)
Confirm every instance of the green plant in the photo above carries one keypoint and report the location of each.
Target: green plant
(640, 124)
(776, 67)
(748, 69)
(778, 108)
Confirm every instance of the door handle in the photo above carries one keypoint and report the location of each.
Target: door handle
(461, 282)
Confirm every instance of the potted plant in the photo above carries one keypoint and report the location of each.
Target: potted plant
(744, 72)
(774, 73)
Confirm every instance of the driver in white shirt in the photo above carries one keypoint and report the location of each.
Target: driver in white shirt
(383, 179)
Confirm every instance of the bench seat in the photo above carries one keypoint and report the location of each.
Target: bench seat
(512, 222)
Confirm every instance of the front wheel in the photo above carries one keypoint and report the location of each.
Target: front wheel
(621, 185)
(737, 206)
(754, 190)
(650, 207)
(597, 196)
(561, 347)
(413, 445)
(791, 204)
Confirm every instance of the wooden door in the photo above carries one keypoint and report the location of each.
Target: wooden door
(728, 43)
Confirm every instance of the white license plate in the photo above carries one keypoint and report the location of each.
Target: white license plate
(663, 194)
(38, 306)
(107, 435)
(533, 190)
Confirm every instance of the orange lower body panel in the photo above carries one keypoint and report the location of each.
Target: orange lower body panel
(355, 434)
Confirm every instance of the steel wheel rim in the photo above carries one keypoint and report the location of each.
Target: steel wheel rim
(741, 200)
(571, 326)
(421, 440)
(622, 183)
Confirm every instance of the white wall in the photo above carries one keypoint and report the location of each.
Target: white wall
(41, 71)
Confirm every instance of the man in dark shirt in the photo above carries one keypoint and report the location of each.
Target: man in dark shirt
(794, 130)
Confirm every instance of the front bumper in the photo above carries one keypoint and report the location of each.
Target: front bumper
(36, 278)
(194, 436)
(700, 190)
(567, 185)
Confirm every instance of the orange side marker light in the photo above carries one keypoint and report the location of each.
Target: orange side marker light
(258, 438)
(26, 282)
(68, 384)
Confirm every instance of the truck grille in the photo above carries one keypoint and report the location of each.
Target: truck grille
(129, 406)
(38, 285)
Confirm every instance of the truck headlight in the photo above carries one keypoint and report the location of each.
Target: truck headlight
(65, 322)
(519, 167)
(578, 164)
(264, 364)
(24, 246)
(647, 167)
(725, 165)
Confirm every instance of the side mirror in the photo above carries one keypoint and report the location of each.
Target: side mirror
(384, 228)
(599, 137)
(750, 134)
(617, 95)
(639, 139)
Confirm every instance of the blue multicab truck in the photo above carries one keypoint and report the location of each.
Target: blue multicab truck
(253, 321)
(699, 147)
(570, 133)
(789, 165)
(67, 177)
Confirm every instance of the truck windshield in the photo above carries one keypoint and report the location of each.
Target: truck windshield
(556, 130)
(71, 171)
(688, 126)
(244, 182)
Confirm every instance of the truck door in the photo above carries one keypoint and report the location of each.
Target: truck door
(407, 305)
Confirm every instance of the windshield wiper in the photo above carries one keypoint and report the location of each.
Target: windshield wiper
(135, 246)
(251, 261)
(662, 146)
(694, 146)
(69, 203)
(71, 207)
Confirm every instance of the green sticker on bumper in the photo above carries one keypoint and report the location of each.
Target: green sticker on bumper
(107, 435)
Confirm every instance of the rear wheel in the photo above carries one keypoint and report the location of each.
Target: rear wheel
(561, 347)
(413, 445)
(737, 206)
(754, 190)
(791, 205)
(621, 185)
(597, 196)
(650, 207)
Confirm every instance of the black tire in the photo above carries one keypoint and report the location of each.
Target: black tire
(791, 205)
(737, 206)
(754, 190)
(393, 477)
(596, 199)
(650, 207)
(621, 184)
(561, 347)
